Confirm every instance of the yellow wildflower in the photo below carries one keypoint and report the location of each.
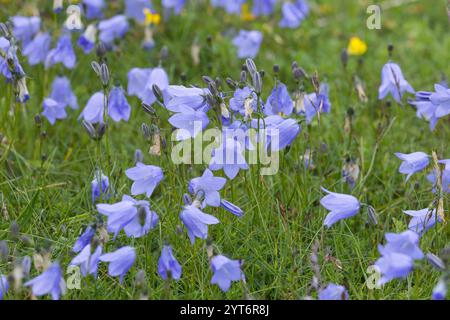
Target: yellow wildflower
(246, 14)
(151, 18)
(356, 47)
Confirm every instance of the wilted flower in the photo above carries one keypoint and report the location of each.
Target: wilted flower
(84, 239)
(210, 186)
(393, 82)
(229, 157)
(49, 282)
(94, 8)
(53, 110)
(398, 255)
(279, 101)
(196, 222)
(37, 49)
(145, 177)
(248, 43)
(24, 28)
(63, 53)
(333, 292)
(87, 39)
(88, 260)
(225, 271)
(168, 266)
(120, 261)
(114, 28)
(412, 162)
(422, 220)
(294, 13)
(99, 186)
(341, 206)
(118, 107)
(93, 111)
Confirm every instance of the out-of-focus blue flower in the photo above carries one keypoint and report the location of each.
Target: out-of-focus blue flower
(145, 177)
(137, 80)
(398, 255)
(341, 206)
(168, 266)
(248, 43)
(58, 6)
(4, 286)
(93, 111)
(412, 162)
(441, 98)
(141, 81)
(118, 107)
(229, 157)
(440, 290)
(231, 207)
(135, 217)
(37, 49)
(393, 82)
(120, 261)
(279, 101)
(210, 185)
(263, 7)
(49, 282)
(100, 186)
(63, 53)
(422, 220)
(333, 292)
(316, 103)
(114, 28)
(63, 94)
(11, 54)
(23, 95)
(244, 101)
(293, 14)
(87, 39)
(134, 9)
(53, 110)
(230, 6)
(175, 5)
(24, 28)
(445, 177)
(84, 239)
(225, 271)
(190, 122)
(94, 8)
(196, 222)
(178, 96)
(88, 260)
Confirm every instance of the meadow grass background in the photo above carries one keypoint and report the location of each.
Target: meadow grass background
(283, 217)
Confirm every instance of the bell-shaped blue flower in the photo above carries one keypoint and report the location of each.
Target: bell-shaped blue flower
(113, 28)
(50, 281)
(62, 93)
(120, 261)
(53, 110)
(94, 8)
(248, 43)
(63, 53)
(196, 222)
(38, 48)
(93, 111)
(293, 13)
(24, 28)
(341, 206)
(225, 271)
(118, 107)
(145, 177)
(333, 292)
(393, 82)
(210, 186)
(88, 260)
(168, 266)
(412, 162)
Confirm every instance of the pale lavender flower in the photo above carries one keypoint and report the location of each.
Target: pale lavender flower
(134, 9)
(178, 96)
(93, 111)
(4, 286)
(175, 5)
(99, 186)
(422, 220)
(168, 266)
(118, 107)
(229, 157)
(137, 80)
(63, 94)
(88, 260)
(141, 81)
(248, 43)
(189, 122)
(341, 206)
(94, 8)
(225, 271)
(50, 281)
(196, 222)
(441, 98)
(230, 6)
(333, 292)
(398, 255)
(280, 132)
(24, 28)
(210, 186)
(393, 82)
(412, 162)
(293, 14)
(263, 7)
(316, 103)
(145, 177)
(84, 239)
(120, 261)
(279, 101)
(62, 53)
(113, 28)
(425, 108)
(244, 101)
(53, 110)
(38, 48)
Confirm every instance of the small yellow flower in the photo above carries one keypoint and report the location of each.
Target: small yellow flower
(356, 47)
(151, 18)
(246, 14)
